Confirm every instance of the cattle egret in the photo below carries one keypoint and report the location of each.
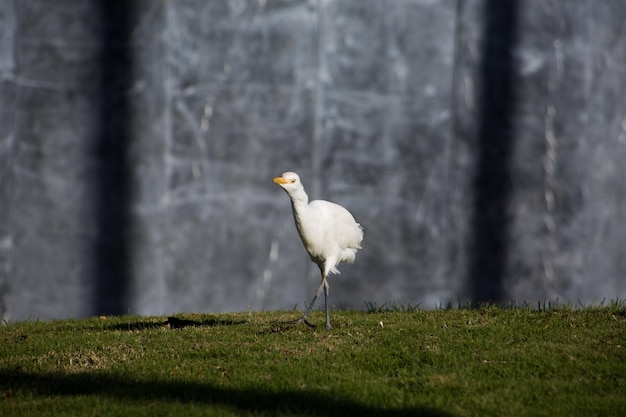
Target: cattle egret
(328, 231)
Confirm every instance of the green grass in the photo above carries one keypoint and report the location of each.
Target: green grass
(486, 361)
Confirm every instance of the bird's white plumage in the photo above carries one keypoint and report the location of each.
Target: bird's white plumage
(330, 234)
(328, 231)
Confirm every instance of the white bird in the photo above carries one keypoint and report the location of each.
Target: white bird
(328, 231)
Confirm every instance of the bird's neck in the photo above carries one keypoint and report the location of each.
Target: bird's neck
(299, 202)
(299, 199)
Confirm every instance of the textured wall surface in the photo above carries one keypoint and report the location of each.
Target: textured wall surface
(480, 143)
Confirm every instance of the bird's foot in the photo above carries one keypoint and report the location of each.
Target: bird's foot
(300, 321)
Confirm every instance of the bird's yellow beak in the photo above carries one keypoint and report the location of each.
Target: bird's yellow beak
(280, 180)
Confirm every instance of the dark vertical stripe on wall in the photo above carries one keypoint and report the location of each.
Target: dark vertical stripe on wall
(112, 254)
(496, 137)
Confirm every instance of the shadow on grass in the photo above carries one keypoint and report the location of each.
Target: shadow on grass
(173, 323)
(254, 401)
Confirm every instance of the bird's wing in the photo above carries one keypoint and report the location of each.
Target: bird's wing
(339, 226)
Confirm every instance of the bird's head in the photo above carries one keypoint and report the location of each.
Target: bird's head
(289, 181)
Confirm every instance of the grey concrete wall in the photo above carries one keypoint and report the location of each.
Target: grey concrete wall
(479, 143)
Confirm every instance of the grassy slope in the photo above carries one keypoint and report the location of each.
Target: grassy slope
(467, 362)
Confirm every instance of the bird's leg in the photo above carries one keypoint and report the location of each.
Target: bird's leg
(305, 318)
(325, 284)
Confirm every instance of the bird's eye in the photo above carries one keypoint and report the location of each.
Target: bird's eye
(293, 180)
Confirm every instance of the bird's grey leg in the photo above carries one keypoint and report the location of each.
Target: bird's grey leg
(305, 318)
(325, 284)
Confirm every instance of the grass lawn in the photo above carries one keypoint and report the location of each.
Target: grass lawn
(487, 361)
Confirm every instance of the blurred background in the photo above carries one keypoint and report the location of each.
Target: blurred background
(480, 143)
